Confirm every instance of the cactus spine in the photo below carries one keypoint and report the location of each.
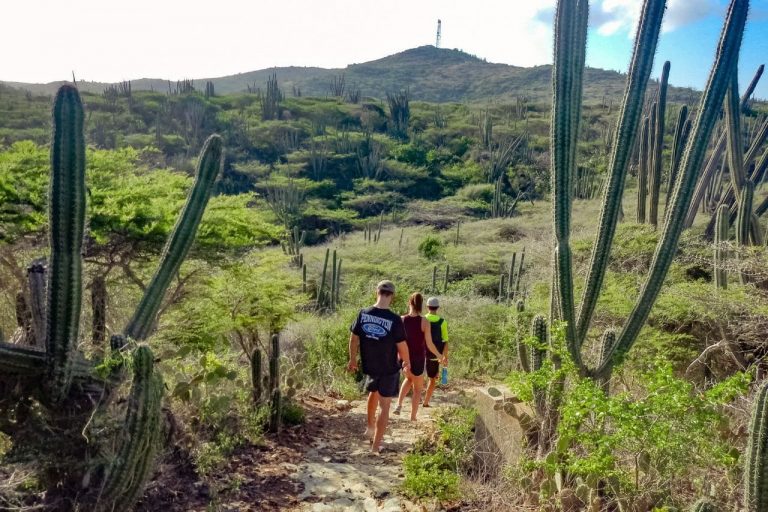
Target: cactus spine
(67, 224)
(756, 456)
(208, 167)
(721, 247)
(658, 146)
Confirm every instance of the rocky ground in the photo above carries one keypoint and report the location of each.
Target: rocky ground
(324, 465)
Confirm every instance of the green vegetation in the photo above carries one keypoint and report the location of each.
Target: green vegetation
(247, 298)
(433, 469)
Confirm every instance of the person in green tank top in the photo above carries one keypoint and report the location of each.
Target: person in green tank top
(439, 330)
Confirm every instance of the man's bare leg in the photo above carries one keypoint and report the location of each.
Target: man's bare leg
(430, 390)
(418, 383)
(373, 403)
(381, 423)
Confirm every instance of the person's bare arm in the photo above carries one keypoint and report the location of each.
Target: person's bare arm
(402, 351)
(427, 330)
(354, 345)
(445, 354)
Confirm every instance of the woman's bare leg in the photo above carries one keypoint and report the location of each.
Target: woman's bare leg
(404, 389)
(430, 390)
(418, 383)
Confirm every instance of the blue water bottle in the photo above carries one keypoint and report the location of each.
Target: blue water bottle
(444, 376)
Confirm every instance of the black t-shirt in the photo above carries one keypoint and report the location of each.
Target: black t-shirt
(380, 330)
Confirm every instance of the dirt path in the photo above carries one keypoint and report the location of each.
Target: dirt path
(339, 473)
(324, 465)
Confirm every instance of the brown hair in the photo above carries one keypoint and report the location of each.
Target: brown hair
(416, 301)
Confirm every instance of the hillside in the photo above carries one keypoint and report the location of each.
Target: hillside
(431, 74)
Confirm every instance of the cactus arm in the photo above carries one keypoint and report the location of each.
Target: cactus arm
(642, 171)
(734, 137)
(208, 168)
(682, 129)
(755, 471)
(658, 145)
(724, 66)
(567, 77)
(129, 469)
(721, 249)
(67, 224)
(626, 134)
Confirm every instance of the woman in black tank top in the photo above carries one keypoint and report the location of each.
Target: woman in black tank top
(418, 335)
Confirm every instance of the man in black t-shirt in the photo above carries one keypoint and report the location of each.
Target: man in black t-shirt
(380, 336)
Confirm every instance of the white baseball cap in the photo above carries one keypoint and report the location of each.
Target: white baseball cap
(432, 302)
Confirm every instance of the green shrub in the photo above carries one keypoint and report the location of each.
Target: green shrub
(431, 247)
(292, 413)
(433, 471)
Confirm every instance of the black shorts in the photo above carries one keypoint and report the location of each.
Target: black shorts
(417, 366)
(388, 386)
(433, 368)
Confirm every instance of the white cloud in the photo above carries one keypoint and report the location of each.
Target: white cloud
(615, 16)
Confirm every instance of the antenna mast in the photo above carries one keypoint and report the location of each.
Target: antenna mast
(439, 32)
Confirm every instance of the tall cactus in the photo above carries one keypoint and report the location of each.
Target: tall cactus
(744, 219)
(756, 456)
(717, 153)
(721, 247)
(274, 363)
(658, 147)
(724, 67)
(208, 167)
(539, 330)
(642, 170)
(606, 344)
(682, 131)
(120, 479)
(256, 360)
(626, 133)
(67, 224)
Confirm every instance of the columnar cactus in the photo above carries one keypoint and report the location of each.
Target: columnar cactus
(756, 457)
(256, 372)
(682, 131)
(642, 170)
(744, 215)
(119, 480)
(720, 78)
(522, 349)
(275, 411)
(208, 168)
(717, 153)
(67, 226)
(721, 247)
(658, 146)
(606, 344)
(138, 438)
(539, 332)
(274, 363)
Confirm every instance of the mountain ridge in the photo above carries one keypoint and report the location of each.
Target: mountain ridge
(429, 73)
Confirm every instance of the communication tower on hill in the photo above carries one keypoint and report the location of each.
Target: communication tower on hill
(439, 33)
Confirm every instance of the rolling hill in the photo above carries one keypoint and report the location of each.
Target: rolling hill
(431, 74)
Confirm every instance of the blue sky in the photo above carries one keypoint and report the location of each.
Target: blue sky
(690, 48)
(103, 40)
